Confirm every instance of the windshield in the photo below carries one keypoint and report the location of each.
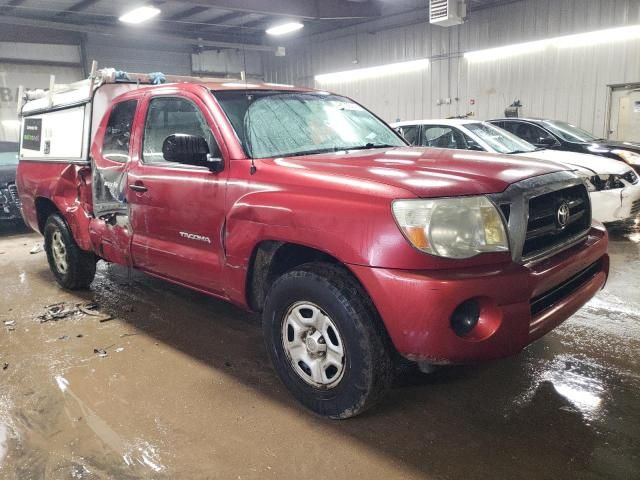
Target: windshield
(569, 132)
(280, 124)
(500, 140)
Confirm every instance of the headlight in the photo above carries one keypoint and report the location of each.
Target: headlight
(628, 156)
(607, 182)
(590, 183)
(459, 227)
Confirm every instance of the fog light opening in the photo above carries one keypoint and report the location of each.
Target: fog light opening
(465, 317)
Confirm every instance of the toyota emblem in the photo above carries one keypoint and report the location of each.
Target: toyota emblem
(562, 215)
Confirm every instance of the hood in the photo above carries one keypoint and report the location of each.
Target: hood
(425, 172)
(7, 174)
(613, 145)
(596, 164)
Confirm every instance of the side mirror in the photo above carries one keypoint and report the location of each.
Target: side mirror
(547, 141)
(191, 150)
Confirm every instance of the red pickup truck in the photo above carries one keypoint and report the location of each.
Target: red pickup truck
(302, 205)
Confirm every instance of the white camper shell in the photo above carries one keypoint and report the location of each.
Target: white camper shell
(59, 124)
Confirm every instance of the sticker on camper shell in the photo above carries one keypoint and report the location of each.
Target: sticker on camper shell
(32, 134)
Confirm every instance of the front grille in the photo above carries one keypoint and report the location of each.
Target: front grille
(635, 207)
(544, 228)
(13, 192)
(550, 297)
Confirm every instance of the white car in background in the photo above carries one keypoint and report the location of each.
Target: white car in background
(614, 187)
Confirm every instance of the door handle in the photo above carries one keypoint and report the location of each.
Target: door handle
(138, 188)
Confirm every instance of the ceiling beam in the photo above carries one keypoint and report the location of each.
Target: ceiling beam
(188, 13)
(121, 32)
(304, 9)
(77, 7)
(10, 7)
(223, 19)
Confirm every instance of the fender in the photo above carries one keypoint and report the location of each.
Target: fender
(66, 191)
(295, 217)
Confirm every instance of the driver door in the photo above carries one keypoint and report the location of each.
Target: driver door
(177, 210)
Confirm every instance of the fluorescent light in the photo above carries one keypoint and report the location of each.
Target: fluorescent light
(139, 15)
(569, 41)
(372, 72)
(239, 85)
(506, 51)
(284, 28)
(278, 85)
(601, 36)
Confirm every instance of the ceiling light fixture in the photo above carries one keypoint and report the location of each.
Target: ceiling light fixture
(373, 72)
(284, 28)
(140, 14)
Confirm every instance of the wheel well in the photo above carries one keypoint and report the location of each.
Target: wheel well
(271, 259)
(44, 208)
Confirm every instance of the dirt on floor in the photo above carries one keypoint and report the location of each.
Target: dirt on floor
(151, 380)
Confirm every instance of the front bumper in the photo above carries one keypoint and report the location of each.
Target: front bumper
(619, 205)
(416, 306)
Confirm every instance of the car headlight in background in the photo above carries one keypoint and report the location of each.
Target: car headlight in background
(452, 227)
(611, 182)
(628, 156)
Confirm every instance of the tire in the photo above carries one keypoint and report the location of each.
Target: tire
(73, 268)
(327, 292)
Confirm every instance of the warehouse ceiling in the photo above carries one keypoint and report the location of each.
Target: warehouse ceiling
(239, 21)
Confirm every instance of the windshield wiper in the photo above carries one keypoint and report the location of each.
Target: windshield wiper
(313, 152)
(515, 152)
(370, 146)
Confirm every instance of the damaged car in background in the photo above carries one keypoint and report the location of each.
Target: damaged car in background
(613, 186)
(558, 135)
(9, 201)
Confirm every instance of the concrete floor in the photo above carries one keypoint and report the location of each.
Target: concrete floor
(192, 394)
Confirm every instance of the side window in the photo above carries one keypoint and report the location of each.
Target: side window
(442, 137)
(533, 134)
(115, 145)
(508, 126)
(410, 133)
(168, 116)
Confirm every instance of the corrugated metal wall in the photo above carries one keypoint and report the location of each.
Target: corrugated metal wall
(563, 84)
(130, 56)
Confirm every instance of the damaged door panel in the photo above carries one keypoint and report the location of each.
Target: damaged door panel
(111, 229)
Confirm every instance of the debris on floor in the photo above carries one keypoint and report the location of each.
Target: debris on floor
(37, 248)
(100, 352)
(58, 311)
(5, 365)
(9, 323)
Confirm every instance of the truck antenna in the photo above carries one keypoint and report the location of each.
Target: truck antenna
(243, 74)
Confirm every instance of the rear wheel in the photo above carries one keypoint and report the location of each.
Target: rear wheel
(72, 267)
(326, 342)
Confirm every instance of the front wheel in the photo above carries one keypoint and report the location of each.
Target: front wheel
(72, 267)
(326, 342)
